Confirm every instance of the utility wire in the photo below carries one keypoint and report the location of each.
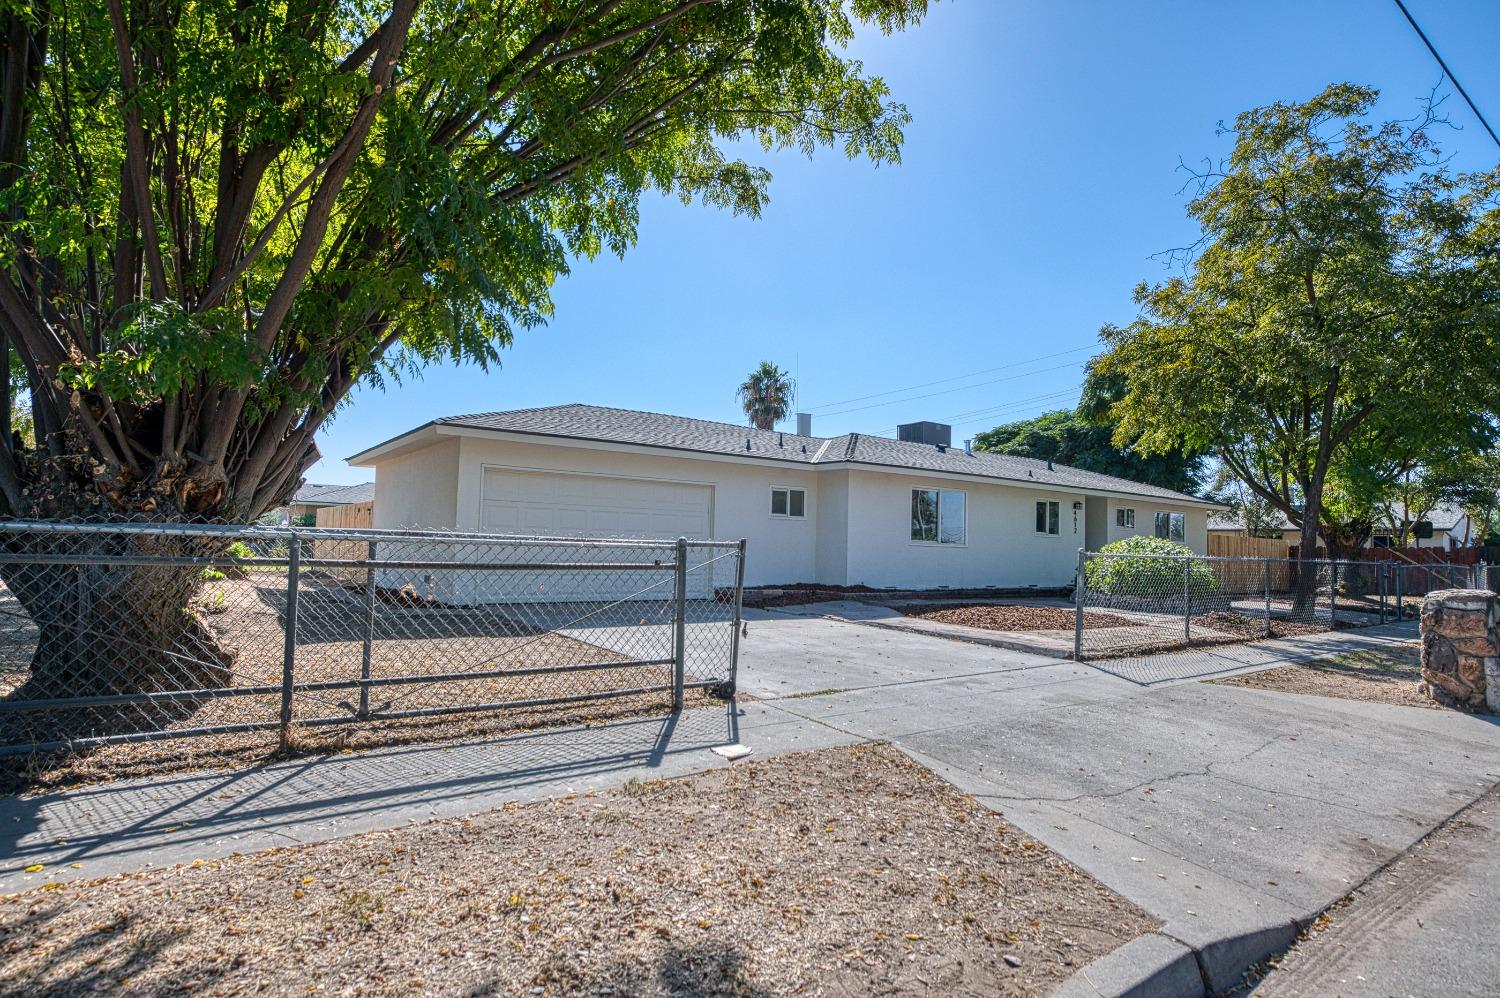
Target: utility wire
(949, 391)
(1448, 72)
(944, 381)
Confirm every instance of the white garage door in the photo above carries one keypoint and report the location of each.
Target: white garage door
(558, 504)
(555, 504)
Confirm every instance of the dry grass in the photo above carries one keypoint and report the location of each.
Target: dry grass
(845, 871)
(1012, 616)
(246, 615)
(1383, 675)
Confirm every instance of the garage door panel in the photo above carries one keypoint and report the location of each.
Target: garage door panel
(571, 505)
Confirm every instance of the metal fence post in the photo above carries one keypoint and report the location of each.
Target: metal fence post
(679, 623)
(1399, 571)
(1333, 594)
(1380, 587)
(739, 611)
(1187, 600)
(289, 647)
(369, 644)
(1078, 587)
(1268, 597)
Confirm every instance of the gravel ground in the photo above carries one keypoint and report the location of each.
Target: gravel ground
(846, 871)
(1013, 616)
(245, 614)
(1389, 675)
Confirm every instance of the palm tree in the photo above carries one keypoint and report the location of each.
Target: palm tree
(767, 395)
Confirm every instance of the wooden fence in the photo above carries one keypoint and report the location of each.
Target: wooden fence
(355, 515)
(1222, 545)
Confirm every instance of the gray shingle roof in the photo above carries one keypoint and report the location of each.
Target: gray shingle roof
(652, 429)
(333, 495)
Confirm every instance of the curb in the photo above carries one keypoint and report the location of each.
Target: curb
(1149, 966)
(1159, 965)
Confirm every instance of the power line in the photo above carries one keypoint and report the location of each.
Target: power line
(978, 415)
(1448, 72)
(950, 391)
(945, 381)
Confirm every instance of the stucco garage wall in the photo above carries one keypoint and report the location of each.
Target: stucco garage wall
(418, 488)
(779, 549)
(1003, 546)
(1196, 536)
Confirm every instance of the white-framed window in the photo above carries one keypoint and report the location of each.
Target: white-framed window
(938, 516)
(1124, 516)
(1048, 516)
(789, 503)
(1172, 526)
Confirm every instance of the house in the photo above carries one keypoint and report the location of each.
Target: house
(851, 509)
(1450, 528)
(310, 498)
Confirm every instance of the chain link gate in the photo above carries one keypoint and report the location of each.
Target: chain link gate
(252, 637)
(1137, 615)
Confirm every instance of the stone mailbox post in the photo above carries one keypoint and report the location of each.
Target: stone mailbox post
(1461, 648)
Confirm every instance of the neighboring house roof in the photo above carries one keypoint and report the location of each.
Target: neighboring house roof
(333, 495)
(1443, 516)
(650, 429)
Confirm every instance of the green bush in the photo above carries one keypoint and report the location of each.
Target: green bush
(1148, 577)
(241, 550)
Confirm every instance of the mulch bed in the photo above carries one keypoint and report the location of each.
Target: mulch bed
(846, 871)
(245, 614)
(1386, 675)
(1012, 616)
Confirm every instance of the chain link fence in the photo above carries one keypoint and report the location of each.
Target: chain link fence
(115, 638)
(1139, 608)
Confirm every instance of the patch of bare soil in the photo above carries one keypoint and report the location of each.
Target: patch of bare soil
(1242, 626)
(1386, 675)
(846, 871)
(247, 614)
(1012, 616)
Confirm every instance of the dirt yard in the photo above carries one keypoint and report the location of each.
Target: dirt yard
(1378, 675)
(1012, 616)
(845, 871)
(246, 615)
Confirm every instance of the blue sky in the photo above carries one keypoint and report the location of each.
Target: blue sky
(1040, 175)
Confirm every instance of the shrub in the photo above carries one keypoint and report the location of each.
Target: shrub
(1156, 576)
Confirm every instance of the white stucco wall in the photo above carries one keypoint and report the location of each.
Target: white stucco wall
(1196, 525)
(418, 487)
(1003, 547)
(779, 549)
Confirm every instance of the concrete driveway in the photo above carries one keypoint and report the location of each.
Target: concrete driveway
(1232, 814)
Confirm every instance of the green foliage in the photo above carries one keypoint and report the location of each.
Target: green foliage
(766, 395)
(341, 192)
(240, 550)
(1067, 438)
(1149, 568)
(1344, 296)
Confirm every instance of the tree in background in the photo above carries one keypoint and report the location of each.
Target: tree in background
(766, 395)
(1346, 285)
(221, 216)
(1083, 438)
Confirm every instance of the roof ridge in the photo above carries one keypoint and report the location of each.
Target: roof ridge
(634, 412)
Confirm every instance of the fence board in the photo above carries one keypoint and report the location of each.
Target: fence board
(1222, 545)
(353, 516)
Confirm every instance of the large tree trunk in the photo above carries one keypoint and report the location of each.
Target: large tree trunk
(111, 631)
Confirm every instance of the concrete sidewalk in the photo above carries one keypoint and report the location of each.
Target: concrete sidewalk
(1231, 814)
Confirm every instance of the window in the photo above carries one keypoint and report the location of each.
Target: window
(1124, 517)
(1047, 521)
(1172, 526)
(937, 516)
(789, 502)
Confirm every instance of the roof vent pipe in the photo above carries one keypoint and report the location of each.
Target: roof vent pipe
(781, 440)
(968, 447)
(747, 443)
(1049, 464)
(804, 424)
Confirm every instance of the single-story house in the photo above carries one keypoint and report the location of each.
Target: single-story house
(845, 510)
(310, 498)
(1450, 528)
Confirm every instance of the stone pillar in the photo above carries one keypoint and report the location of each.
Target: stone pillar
(1461, 648)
